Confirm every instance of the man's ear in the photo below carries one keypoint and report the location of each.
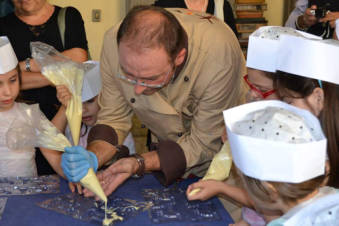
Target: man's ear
(316, 100)
(180, 57)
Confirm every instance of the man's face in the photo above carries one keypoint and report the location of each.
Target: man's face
(148, 69)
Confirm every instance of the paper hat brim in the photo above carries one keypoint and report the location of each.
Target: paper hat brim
(271, 160)
(8, 60)
(262, 53)
(316, 59)
(92, 81)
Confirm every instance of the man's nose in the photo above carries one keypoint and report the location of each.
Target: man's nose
(138, 89)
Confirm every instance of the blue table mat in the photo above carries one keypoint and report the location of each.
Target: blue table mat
(22, 210)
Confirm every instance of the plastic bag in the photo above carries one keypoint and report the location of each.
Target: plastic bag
(38, 131)
(86, 209)
(171, 205)
(29, 185)
(3, 202)
(35, 131)
(220, 166)
(61, 70)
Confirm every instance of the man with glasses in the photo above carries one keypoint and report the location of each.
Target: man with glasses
(177, 70)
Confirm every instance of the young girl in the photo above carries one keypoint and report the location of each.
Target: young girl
(264, 137)
(314, 87)
(21, 162)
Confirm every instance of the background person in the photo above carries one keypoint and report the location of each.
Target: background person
(303, 17)
(36, 20)
(219, 8)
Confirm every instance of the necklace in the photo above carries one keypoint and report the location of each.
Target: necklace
(197, 5)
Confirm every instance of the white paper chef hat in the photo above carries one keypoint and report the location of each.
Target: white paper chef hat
(8, 60)
(317, 59)
(263, 46)
(92, 81)
(274, 141)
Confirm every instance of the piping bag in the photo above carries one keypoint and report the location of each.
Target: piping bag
(220, 166)
(61, 70)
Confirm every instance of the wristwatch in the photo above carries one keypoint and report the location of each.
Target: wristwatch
(141, 161)
(28, 64)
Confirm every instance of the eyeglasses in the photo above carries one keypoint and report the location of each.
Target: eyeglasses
(254, 88)
(144, 82)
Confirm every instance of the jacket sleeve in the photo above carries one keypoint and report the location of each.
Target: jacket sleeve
(114, 112)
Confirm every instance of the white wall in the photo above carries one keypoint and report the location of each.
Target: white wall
(112, 11)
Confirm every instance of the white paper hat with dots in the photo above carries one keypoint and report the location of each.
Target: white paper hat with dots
(8, 60)
(274, 141)
(263, 46)
(92, 81)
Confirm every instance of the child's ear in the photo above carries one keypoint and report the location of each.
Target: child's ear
(316, 100)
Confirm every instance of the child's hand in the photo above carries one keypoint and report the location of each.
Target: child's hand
(63, 94)
(73, 186)
(208, 189)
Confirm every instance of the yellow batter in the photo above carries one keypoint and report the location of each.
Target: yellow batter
(71, 75)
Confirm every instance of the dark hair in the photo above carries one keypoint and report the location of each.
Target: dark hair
(142, 31)
(284, 83)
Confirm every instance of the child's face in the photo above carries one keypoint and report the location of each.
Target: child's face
(261, 83)
(90, 111)
(9, 89)
(313, 103)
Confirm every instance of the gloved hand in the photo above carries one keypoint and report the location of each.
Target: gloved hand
(76, 161)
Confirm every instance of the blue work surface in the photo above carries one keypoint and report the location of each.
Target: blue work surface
(22, 210)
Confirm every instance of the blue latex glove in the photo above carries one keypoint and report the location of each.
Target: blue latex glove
(76, 161)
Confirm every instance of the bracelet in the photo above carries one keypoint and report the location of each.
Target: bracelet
(28, 64)
(141, 161)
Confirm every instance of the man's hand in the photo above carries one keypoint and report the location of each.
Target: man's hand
(115, 175)
(76, 161)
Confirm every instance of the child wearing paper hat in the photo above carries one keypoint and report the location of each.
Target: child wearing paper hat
(90, 91)
(261, 63)
(280, 152)
(308, 76)
(19, 162)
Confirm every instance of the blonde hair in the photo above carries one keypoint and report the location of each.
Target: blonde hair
(288, 192)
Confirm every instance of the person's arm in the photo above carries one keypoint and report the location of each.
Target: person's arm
(330, 17)
(54, 159)
(300, 8)
(210, 188)
(34, 79)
